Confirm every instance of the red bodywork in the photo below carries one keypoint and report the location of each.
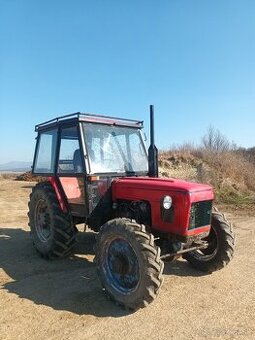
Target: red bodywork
(153, 191)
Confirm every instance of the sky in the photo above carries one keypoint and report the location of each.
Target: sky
(194, 60)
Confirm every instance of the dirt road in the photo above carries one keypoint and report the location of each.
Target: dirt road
(63, 299)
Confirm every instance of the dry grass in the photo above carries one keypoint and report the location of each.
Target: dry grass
(7, 176)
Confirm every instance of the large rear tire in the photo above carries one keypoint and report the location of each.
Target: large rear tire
(52, 230)
(220, 250)
(128, 263)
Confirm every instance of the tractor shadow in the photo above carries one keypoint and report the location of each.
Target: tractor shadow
(69, 284)
(181, 267)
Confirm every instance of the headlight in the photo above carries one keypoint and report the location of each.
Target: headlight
(167, 202)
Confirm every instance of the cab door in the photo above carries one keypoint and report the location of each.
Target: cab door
(70, 170)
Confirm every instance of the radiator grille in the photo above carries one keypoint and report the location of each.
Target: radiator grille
(200, 214)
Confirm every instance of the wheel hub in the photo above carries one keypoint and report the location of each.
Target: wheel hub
(42, 224)
(122, 265)
(213, 244)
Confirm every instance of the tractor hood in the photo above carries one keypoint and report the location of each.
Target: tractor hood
(133, 187)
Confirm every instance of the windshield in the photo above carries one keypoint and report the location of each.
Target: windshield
(114, 149)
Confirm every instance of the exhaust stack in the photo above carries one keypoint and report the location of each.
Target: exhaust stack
(153, 151)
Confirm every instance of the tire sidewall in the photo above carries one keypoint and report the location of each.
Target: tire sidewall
(136, 295)
(225, 246)
(42, 247)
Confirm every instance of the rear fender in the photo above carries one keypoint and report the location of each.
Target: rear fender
(59, 193)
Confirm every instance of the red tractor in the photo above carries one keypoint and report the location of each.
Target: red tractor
(99, 174)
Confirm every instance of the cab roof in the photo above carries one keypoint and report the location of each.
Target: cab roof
(90, 118)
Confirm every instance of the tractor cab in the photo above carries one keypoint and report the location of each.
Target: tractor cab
(82, 153)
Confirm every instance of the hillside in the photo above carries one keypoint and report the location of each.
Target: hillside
(230, 172)
(218, 162)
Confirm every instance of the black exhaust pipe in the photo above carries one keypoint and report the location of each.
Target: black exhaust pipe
(153, 151)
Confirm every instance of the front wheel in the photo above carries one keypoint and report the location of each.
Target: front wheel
(220, 249)
(128, 263)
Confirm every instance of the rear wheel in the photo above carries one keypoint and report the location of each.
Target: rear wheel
(220, 250)
(128, 263)
(52, 230)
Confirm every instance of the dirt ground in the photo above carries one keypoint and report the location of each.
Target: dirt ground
(63, 299)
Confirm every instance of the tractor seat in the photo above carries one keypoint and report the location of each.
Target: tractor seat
(77, 161)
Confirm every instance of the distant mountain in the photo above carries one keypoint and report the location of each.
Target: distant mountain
(17, 166)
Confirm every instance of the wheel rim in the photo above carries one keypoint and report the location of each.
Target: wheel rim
(42, 223)
(121, 265)
(213, 245)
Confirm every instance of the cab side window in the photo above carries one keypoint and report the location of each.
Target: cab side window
(70, 157)
(46, 152)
